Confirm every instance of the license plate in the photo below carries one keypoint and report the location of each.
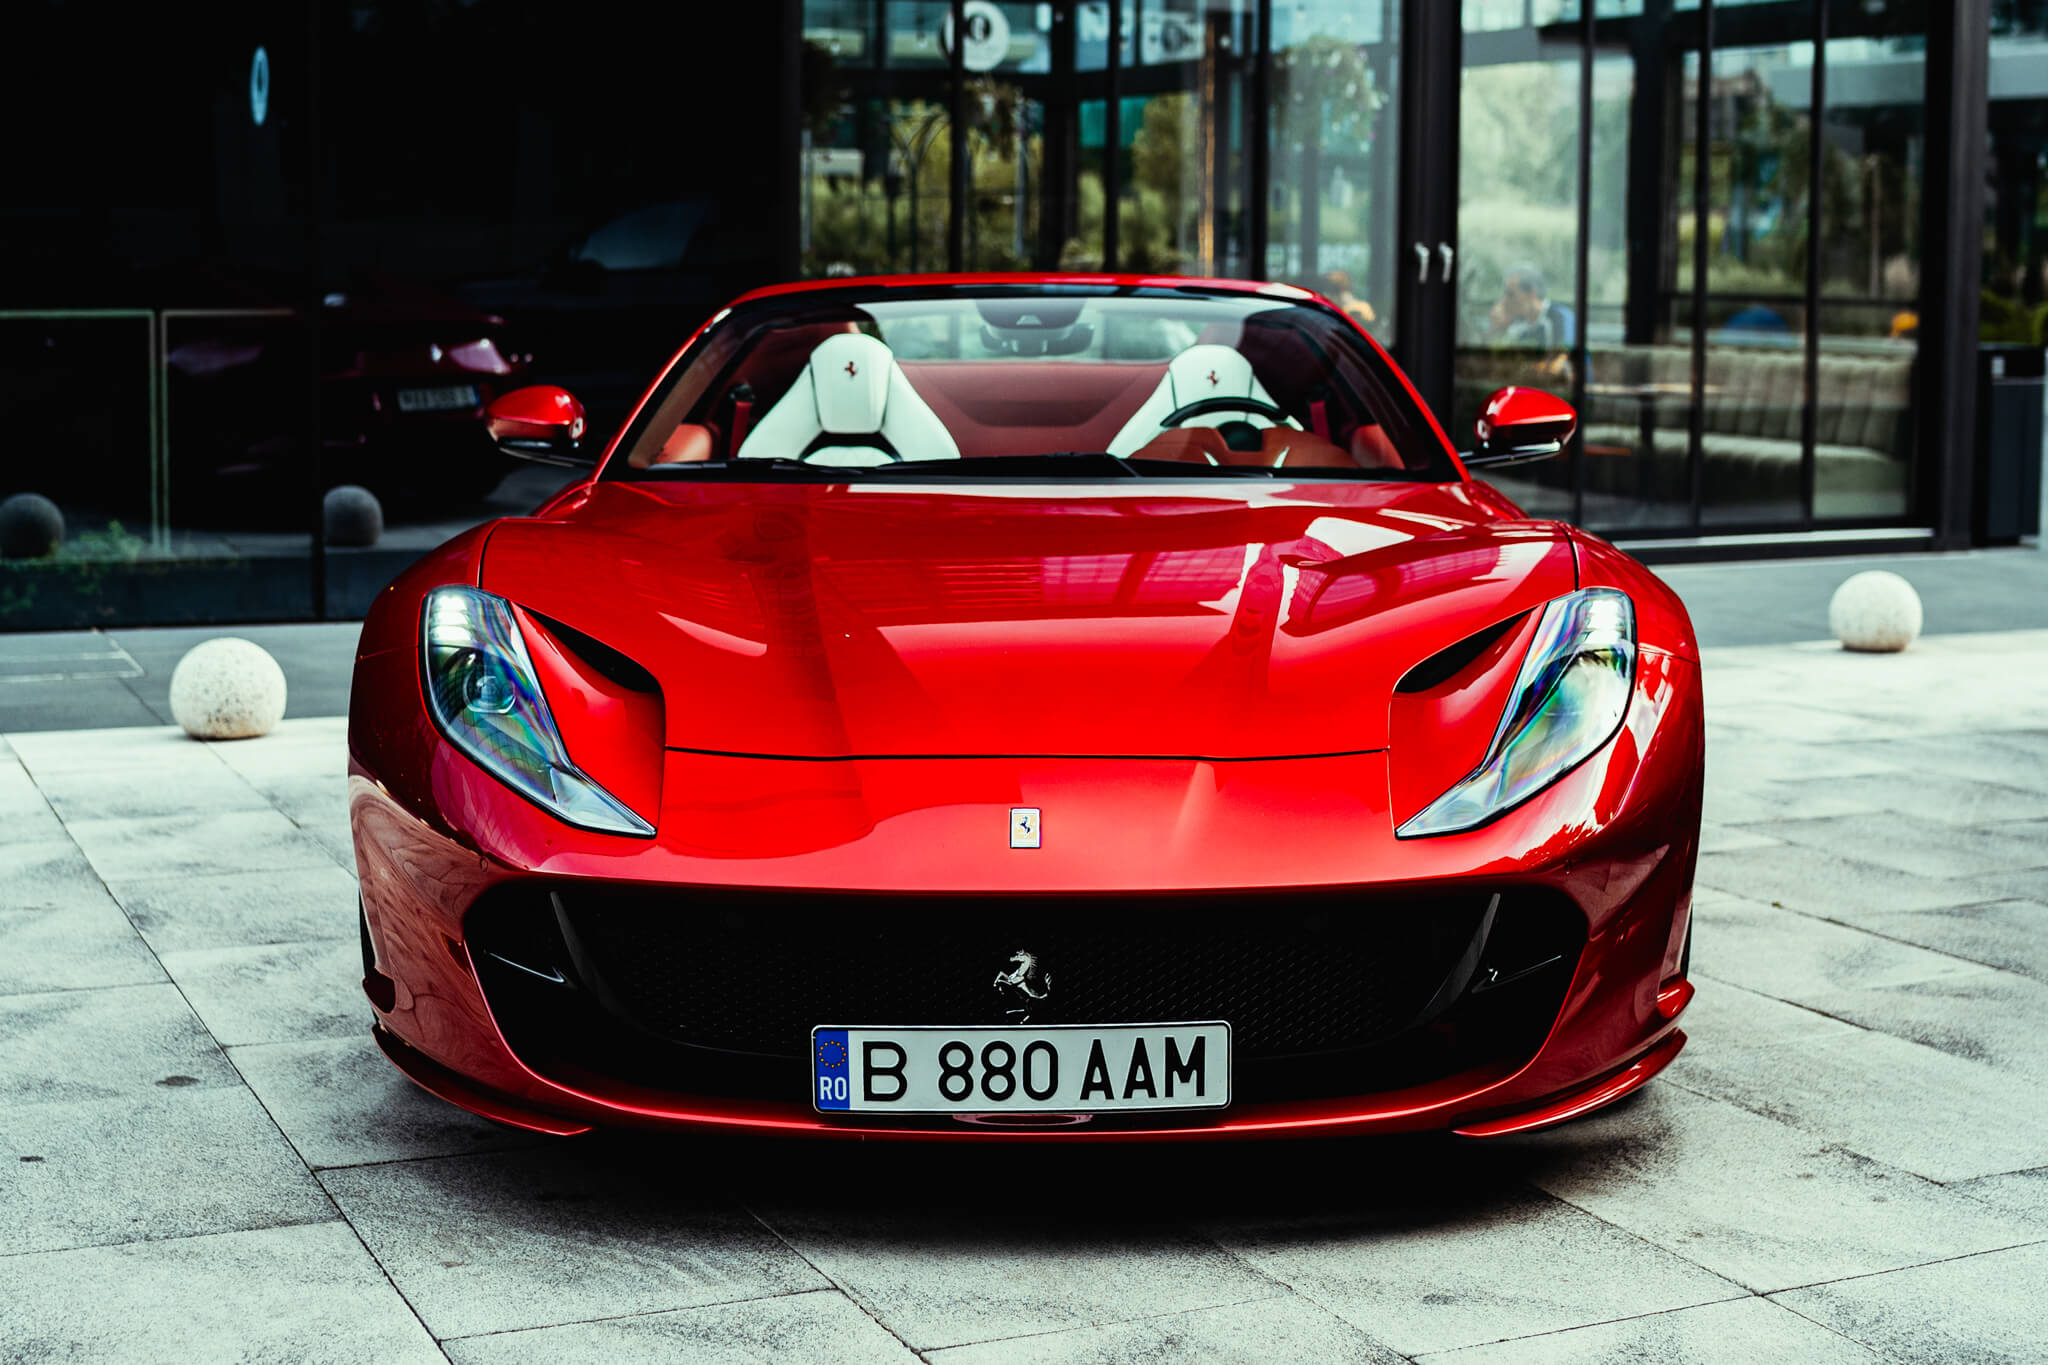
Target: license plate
(1065, 1068)
(437, 400)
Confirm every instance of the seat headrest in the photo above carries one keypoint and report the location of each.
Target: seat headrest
(849, 377)
(1211, 371)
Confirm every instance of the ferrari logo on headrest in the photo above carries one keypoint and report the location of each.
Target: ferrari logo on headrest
(1213, 380)
(850, 371)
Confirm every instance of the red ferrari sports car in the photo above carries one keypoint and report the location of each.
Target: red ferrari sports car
(1071, 707)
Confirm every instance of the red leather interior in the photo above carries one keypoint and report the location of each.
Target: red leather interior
(1029, 409)
(687, 444)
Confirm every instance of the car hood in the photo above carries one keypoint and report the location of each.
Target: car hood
(1217, 621)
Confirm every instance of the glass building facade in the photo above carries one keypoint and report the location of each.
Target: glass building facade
(1758, 243)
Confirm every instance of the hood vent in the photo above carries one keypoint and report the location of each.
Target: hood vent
(1446, 664)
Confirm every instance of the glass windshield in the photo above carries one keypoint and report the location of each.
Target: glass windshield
(1014, 381)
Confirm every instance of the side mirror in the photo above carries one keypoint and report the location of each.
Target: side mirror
(1520, 425)
(542, 423)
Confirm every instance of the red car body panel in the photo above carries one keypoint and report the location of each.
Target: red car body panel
(858, 683)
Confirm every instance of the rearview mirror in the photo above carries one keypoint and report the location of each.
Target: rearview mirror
(1520, 425)
(541, 423)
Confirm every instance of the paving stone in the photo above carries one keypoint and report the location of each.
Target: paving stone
(1433, 1274)
(1941, 797)
(2023, 1193)
(1819, 882)
(1782, 720)
(563, 1234)
(2013, 758)
(69, 1046)
(84, 943)
(195, 843)
(1750, 808)
(1717, 838)
(1792, 956)
(241, 909)
(1925, 849)
(1288, 1328)
(1977, 1308)
(1753, 1331)
(278, 993)
(2011, 934)
(342, 1103)
(1723, 1017)
(941, 1275)
(44, 874)
(1740, 764)
(179, 1163)
(1898, 1102)
(316, 804)
(160, 749)
(25, 816)
(1984, 1015)
(305, 1294)
(1765, 1205)
(820, 1325)
(140, 794)
(298, 749)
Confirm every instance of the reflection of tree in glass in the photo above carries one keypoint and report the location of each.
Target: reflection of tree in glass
(1327, 103)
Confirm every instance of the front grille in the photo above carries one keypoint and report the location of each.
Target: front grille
(755, 972)
(714, 992)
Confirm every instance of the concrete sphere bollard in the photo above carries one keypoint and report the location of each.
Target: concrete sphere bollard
(227, 688)
(31, 527)
(1875, 612)
(352, 516)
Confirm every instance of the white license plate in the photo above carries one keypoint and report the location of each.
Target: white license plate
(1066, 1068)
(437, 400)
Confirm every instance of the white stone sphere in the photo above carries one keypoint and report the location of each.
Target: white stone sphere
(1875, 611)
(227, 688)
(352, 515)
(31, 527)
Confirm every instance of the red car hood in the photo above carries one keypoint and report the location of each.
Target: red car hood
(1219, 621)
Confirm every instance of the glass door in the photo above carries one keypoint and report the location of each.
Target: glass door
(1698, 221)
(1333, 219)
(1519, 299)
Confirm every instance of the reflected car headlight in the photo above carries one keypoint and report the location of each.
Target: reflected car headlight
(485, 697)
(1568, 700)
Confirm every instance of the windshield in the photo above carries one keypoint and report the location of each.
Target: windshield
(1029, 382)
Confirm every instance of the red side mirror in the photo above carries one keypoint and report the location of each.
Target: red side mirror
(1520, 425)
(540, 423)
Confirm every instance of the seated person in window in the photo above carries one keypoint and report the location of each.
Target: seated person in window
(1526, 319)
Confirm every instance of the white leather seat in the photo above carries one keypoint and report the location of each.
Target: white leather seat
(1208, 370)
(850, 387)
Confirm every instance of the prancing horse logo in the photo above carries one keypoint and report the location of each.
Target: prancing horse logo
(1025, 982)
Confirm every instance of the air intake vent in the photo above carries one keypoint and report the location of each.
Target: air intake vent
(1446, 664)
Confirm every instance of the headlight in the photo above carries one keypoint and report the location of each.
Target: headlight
(483, 693)
(1567, 701)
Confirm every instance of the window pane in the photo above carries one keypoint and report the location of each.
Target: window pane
(1517, 260)
(1335, 129)
(1752, 429)
(1876, 138)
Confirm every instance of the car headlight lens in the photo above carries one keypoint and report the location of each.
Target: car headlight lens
(1568, 700)
(485, 696)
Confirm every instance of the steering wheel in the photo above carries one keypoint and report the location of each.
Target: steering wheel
(1202, 407)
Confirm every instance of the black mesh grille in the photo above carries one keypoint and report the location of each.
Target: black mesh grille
(755, 972)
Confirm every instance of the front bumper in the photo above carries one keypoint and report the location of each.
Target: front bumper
(1616, 841)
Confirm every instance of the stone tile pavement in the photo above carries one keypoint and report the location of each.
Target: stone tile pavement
(203, 1156)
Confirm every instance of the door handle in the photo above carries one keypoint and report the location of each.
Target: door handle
(1449, 254)
(1421, 263)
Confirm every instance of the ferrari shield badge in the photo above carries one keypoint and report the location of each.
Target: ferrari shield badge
(1024, 827)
